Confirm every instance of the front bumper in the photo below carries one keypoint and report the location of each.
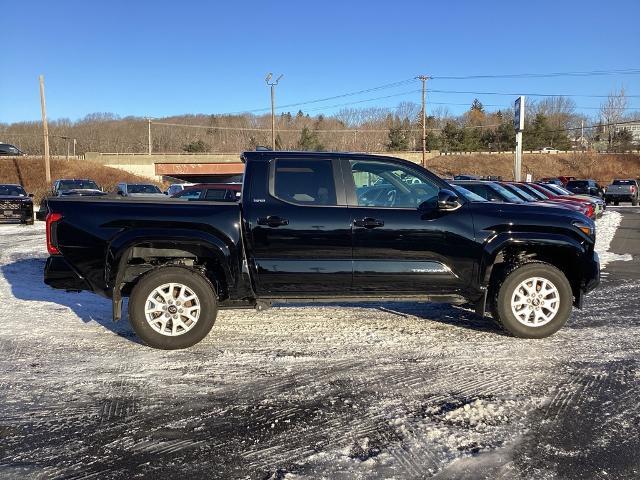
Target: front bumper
(590, 279)
(591, 273)
(15, 213)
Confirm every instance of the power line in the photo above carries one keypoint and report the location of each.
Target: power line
(349, 94)
(528, 94)
(590, 73)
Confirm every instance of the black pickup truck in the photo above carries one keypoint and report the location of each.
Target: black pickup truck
(322, 227)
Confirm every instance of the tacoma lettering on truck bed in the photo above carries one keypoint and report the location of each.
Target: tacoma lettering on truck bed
(322, 227)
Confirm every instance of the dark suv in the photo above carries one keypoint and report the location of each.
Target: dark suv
(587, 187)
(16, 206)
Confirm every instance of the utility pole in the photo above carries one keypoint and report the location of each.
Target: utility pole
(45, 131)
(273, 106)
(424, 79)
(149, 132)
(67, 139)
(74, 148)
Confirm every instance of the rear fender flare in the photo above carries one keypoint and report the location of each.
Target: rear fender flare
(119, 251)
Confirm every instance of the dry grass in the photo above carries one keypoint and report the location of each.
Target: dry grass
(602, 167)
(31, 175)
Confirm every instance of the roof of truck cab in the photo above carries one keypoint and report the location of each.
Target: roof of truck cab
(268, 154)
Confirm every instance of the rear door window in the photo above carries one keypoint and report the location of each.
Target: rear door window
(304, 182)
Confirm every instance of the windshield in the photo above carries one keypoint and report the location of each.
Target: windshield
(509, 196)
(559, 190)
(624, 182)
(521, 192)
(77, 184)
(143, 188)
(534, 192)
(472, 197)
(12, 191)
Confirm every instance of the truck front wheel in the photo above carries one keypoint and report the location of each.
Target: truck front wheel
(172, 308)
(534, 300)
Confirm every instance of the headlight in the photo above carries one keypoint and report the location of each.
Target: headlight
(586, 229)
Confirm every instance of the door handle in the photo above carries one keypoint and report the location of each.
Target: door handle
(368, 222)
(273, 221)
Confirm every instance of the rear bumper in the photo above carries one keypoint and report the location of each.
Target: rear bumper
(618, 198)
(59, 274)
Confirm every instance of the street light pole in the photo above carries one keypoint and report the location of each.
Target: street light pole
(273, 106)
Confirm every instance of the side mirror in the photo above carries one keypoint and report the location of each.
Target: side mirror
(31, 195)
(120, 192)
(166, 193)
(448, 200)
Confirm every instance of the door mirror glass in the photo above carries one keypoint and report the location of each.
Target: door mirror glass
(448, 200)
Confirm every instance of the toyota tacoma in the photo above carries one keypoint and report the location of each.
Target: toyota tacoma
(322, 227)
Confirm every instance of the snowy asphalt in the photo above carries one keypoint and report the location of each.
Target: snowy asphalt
(371, 391)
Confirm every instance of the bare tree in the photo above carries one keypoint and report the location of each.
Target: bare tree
(612, 111)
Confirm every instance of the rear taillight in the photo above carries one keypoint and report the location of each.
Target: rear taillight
(590, 211)
(51, 219)
(633, 189)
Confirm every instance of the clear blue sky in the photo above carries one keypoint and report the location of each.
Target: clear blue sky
(161, 58)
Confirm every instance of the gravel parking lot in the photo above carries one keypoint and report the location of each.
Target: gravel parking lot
(371, 391)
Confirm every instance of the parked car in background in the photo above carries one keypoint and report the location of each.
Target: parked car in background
(549, 150)
(599, 203)
(553, 180)
(16, 206)
(221, 192)
(551, 195)
(308, 229)
(622, 191)
(8, 150)
(533, 196)
(466, 177)
(144, 190)
(541, 195)
(490, 191)
(177, 188)
(76, 186)
(70, 187)
(587, 187)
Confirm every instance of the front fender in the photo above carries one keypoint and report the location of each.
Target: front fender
(569, 247)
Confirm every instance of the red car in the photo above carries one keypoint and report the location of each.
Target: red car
(586, 206)
(212, 192)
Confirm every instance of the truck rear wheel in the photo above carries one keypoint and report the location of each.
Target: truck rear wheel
(534, 300)
(172, 308)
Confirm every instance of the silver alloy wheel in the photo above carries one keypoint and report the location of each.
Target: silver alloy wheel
(172, 309)
(535, 302)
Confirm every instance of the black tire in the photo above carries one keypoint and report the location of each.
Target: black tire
(616, 203)
(501, 304)
(193, 281)
(634, 203)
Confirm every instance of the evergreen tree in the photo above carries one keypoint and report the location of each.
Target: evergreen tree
(477, 106)
(309, 141)
(399, 135)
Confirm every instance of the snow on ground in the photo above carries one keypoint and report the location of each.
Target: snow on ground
(378, 390)
(606, 227)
